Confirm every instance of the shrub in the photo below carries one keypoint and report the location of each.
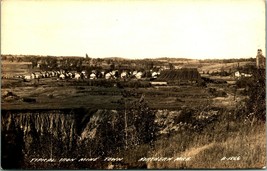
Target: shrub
(256, 103)
(135, 84)
(217, 93)
(243, 82)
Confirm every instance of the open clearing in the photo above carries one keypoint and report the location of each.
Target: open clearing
(53, 94)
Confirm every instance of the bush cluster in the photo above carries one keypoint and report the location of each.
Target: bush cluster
(217, 93)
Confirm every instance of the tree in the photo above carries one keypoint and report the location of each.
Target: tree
(149, 65)
(256, 104)
(139, 123)
(3, 57)
(34, 62)
(51, 62)
(171, 66)
(112, 66)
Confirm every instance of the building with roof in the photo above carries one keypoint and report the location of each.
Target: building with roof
(260, 60)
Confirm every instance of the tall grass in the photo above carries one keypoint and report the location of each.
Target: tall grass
(214, 146)
(233, 139)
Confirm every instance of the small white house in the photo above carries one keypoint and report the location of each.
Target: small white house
(139, 75)
(77, 76)
(134, 72)
(237, 74)
(27, 77)
(92, 76)
(38, 75)
(155, 74)
(248, 75)
(70, 75)
(113, 74)
(85, 74)
(108, 76)
(43, 75)
(62, 76)
(32, 76)
(53, 74)
(124, 75)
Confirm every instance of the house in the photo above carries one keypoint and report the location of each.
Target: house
(248, 75)
(108, 76)
(70, 75)
(77, 76)
(124, 75)
(53, 73)
(33, 76)
(58, 73)
(43, 74)
(139, 75)
(62, 76)
(92, 76)
(46, 75)
(238, 74)
(260, 60)
(115, 74)
(84, 74)
(155, 74)
(27, 77)
(38, 75)
(134, 72)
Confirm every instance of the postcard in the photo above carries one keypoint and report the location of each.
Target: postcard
(133, 84)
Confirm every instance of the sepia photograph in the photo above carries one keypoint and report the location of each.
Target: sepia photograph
(143, 84)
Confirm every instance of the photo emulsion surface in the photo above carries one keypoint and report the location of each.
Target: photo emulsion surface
(133, 84)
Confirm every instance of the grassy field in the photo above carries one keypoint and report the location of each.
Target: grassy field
(221, 66)
(62, 94)
(230, 144)
(10, 69)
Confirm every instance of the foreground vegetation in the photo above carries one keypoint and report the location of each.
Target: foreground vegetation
(227, 143)
(235, 139)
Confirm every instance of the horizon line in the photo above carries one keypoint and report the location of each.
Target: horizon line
(133, 58)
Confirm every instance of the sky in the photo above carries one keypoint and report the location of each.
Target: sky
(198, 29)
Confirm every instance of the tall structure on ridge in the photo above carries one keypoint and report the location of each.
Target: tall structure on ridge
(260, 60)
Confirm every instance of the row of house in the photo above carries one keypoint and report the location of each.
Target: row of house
(240, 74)
(62, 75)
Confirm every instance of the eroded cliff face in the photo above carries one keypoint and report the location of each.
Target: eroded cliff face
(56, 134)
(46, 134)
